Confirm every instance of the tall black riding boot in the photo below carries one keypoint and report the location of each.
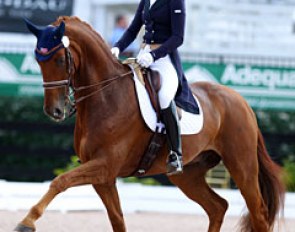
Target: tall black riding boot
(170, 119)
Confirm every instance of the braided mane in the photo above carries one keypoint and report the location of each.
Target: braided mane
(77, 20)
(102, 42)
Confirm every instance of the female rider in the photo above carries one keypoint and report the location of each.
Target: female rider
(164, 22)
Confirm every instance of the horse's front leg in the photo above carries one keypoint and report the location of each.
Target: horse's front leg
(28, 223)
(92, 172)
(110, 198)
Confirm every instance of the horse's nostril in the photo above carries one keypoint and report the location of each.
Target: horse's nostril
(57, 113)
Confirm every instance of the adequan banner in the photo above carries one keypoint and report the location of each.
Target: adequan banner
(262, 86)
(41, 12)
(20, 75)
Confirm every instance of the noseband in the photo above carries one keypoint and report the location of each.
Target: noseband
(71, 89)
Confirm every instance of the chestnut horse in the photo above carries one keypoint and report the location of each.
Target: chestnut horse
(111, 136)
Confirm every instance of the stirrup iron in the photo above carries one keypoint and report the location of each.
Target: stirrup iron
(174, 164)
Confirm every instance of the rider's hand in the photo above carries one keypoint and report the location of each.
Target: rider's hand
(115, 51)
(145, 60)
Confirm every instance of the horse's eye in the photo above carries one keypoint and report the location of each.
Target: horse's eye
(61, 61)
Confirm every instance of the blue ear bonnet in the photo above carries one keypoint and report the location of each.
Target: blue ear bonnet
(49, 39)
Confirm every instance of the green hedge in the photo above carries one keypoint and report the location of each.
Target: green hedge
(38, 143)
(289, 174)
(279, 132)
(28, 148)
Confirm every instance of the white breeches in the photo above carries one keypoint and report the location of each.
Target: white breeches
(169, 78)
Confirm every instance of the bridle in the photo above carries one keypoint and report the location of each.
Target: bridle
(71, 90)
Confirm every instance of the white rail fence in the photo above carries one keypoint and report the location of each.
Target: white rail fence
(134, 198)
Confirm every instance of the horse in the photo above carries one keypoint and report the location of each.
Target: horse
(110, 136)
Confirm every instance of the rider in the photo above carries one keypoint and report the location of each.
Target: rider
(164, 22)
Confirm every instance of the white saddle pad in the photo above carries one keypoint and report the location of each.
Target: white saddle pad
(189, 123)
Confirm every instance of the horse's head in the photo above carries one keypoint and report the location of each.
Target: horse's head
(72, 55)
(53, 57)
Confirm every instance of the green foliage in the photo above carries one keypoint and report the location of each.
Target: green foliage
(18, 109)
(282, 124)
(29, 151)
(72, 164)
(37, 157)
(289, 174)
(276, 121)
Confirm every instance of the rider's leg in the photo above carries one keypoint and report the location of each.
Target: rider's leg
(170, 118)
(169, 86)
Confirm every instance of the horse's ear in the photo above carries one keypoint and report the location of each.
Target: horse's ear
(32, 28)
(61, 29)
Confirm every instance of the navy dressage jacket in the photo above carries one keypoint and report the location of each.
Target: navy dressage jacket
(164, 24)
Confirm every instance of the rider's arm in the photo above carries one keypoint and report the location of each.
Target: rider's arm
(132, 31)
(177, 26)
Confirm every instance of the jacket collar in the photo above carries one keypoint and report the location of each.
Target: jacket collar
(158, 4)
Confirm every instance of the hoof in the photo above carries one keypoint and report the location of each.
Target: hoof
(23, 228)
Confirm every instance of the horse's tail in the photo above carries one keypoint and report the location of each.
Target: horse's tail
(270, 183)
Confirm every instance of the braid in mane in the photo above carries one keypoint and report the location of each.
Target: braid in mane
(75, 19)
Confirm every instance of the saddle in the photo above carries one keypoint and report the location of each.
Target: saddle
(152, 82)
(150, 79)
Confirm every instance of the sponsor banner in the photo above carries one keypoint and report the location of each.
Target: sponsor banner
(263, 87)
(20, 75)
(41, 12)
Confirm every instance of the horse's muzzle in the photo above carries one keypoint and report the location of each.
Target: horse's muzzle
(55, 113)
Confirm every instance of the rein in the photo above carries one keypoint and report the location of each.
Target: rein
(71, 90)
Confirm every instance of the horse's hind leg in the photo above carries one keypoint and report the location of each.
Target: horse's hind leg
(193, 184)
(110, 198)
(243, 169)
